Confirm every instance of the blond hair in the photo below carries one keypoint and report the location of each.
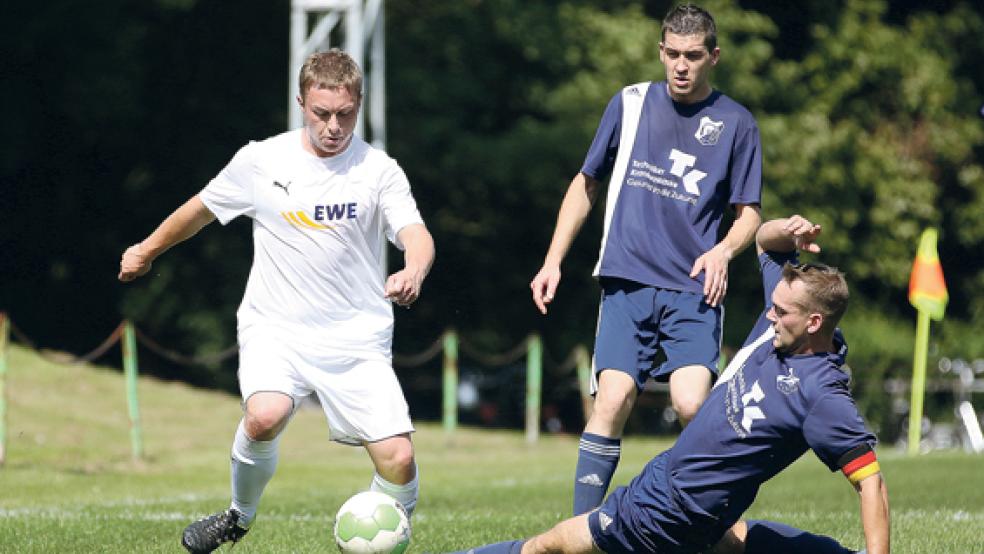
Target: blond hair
(331, 69)
(827, 292)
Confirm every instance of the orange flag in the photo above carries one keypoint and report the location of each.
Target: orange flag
(927, 289)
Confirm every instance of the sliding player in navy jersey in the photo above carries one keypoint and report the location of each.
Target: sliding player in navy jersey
(784, 393)
(678, 153)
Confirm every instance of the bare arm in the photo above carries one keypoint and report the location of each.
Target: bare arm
(403, 287)
(714, 262)
(788, 234)
(179, 226)
(874, 514)
(574, 210)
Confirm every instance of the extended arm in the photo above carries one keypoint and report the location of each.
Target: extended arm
(179, 226)
(874, 513)
(574, 210)
(403, 287)
(787, 234)
(714, 262)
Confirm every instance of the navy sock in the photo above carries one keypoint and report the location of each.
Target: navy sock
(506, 547)
(597, 458)
(770, 536)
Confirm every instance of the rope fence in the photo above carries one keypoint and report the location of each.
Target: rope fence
(449, 344)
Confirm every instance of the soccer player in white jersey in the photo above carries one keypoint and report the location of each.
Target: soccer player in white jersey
(679, 153)
(316, 316)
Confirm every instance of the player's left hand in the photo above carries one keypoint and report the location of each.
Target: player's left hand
(134, 263)
(403, 287)
(714, 264)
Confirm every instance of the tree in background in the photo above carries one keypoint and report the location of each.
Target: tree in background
(867, 111)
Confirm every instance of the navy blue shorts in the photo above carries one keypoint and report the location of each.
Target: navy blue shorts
(637, 321)
(644, 517)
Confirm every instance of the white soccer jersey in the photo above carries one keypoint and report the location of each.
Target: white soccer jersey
(317, 274)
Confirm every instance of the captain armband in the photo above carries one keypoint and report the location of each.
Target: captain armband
(859, 463)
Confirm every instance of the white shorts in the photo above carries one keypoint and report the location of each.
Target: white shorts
(362, 398)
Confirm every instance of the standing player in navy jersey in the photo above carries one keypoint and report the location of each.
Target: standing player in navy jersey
(679, 153)
(784, 393)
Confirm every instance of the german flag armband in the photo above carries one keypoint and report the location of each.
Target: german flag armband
(859, 463)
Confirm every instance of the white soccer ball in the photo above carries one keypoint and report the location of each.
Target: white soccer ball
(372, 523)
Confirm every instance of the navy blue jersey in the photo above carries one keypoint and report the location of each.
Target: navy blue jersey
(767, 409)
(678, 168)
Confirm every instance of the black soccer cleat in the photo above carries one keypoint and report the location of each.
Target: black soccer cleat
(209, 533)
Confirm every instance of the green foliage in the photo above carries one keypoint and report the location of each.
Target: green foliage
(867, 111)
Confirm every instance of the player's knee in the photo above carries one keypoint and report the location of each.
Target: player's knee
(264, 425)
(613, 403)
(687, 404)
(402, 459)
(397, 464)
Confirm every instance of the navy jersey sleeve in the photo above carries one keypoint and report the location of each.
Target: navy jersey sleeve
(834, 428)
(771, 264)
(601, 156)
(746, 166)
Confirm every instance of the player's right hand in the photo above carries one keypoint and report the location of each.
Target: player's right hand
(133, 264)
(544, 287)
(804, 233)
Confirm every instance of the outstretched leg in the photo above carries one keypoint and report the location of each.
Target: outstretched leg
(762, 537)
(571, 536)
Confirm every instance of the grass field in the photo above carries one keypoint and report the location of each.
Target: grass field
(69, 484)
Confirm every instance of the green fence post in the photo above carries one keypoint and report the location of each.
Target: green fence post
(534, 377)
(130, 368)
(583, 361)
(450, 382)
(4, 336)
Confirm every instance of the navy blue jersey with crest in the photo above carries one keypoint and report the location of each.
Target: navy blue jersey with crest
(766, 410)
(674, 169)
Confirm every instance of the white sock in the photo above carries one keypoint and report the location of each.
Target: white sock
(404, 494)
(253, 463)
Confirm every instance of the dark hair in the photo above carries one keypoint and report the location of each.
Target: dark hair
(331, 69)
(688, 19)
(827, 291)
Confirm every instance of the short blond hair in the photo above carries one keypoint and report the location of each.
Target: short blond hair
(827, 292)
(331, 69)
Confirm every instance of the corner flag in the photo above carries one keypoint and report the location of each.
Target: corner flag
(927, 289)
(927, 293)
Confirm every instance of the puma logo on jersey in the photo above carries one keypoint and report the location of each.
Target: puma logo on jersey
(286, 190)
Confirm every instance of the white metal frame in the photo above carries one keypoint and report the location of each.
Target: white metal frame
(363, 30)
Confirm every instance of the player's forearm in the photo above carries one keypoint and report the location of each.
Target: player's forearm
(875, 515)
(574, 210)
(179, 226)
(742, 231)
(419, 252)
(773, 236)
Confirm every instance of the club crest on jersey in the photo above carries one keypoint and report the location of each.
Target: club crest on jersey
(709, 131)
(787, 384)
